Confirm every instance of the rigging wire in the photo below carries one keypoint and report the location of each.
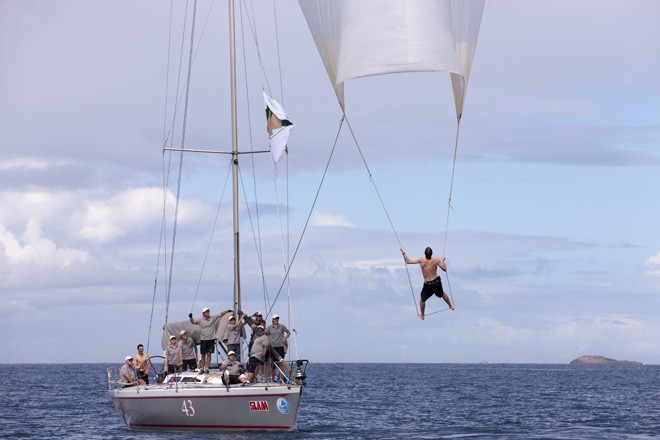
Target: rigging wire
(449, 209)
(166, 169)
(284, 236)
(183, 142)
(265, 84)
(179, 94)
(382, 203)
(254, 236)
(277, 45)
(208, 248)
(257, 237)
(164, 142)
(309, 215)
(167, 139)
(288, 256)
(287, 252)
(262, 71)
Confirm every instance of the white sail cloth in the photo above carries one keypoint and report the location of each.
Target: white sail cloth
(278, 133)
(358, 38)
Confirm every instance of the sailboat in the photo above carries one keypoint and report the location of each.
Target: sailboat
(355, 38)
(199, 400)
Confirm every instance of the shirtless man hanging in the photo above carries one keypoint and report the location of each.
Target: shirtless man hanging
(432, 282)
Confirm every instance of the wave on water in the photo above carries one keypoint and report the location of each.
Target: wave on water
(374, 401)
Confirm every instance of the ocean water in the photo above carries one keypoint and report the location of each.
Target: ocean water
(373, 401)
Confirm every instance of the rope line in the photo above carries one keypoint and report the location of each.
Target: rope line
(451, 184)
(287, 246)
(208, 247)
(263, 80)
(257, 244)
(309, 215)
(387, 214)
(449, 207)
(164, 143)
(183, 142)
(179, 94)
(252, 23)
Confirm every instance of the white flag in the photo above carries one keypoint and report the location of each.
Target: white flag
(279, 125)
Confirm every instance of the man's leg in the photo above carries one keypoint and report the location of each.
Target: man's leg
(202, 358)
(422, 306)
(447, 300)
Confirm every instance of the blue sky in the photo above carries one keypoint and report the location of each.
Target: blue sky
(552, 248)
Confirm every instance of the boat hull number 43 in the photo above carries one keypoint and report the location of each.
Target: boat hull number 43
(188, 408)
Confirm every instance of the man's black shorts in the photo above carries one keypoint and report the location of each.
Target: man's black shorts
(207, 346)
(190, 364)
(432, 287)
(272, 350)
(252, 364)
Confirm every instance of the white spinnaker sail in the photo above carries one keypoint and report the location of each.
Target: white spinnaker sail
(358, 38)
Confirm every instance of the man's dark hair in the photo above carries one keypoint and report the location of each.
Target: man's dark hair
(140, 345)
(428, 252)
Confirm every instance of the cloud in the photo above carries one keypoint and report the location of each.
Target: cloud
(505, 334)
(325, 219)
(108, 219)
(28, 163)
(653, 265)
(35, 249)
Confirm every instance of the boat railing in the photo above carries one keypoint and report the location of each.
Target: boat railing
(294, 371)
(114, 379)
(289, 372)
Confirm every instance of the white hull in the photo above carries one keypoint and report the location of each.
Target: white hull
(208, 407)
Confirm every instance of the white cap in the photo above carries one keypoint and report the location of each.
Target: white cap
(231, 317)
(257, 314)
(128, 358)
(276, 316)
(182, 332)
(230, 353)
(206, 309)
(172, 337)
(260, 327)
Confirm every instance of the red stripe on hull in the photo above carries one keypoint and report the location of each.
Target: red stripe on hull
(201, 397)
(247, 427)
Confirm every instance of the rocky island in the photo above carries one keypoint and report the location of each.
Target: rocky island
(600, 360)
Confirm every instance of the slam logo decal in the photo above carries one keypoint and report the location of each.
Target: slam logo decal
(283, 406)
(259, 405)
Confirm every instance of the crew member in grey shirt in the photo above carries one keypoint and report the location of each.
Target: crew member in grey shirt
(257, 353)
(277, 338)
(234, 328)
(127, 373)
(233, 370)
(188, 351)
(173, 360)
(207, 324)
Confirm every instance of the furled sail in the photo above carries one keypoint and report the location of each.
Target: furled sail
(358, 38)
(174, 329)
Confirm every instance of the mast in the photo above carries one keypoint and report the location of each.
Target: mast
(234, 156)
